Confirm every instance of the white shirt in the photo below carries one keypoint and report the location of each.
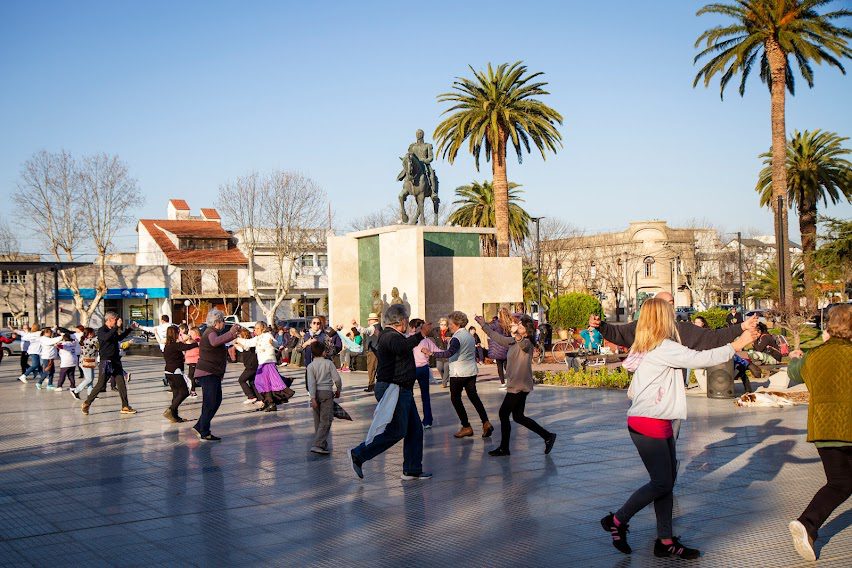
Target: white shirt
(48, 347)
(159, 333)
(264, 347)
(69, 354)
(657, 387)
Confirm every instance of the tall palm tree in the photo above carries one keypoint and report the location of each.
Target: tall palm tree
(764, 284)
(816, 171)
(773, 30)
(476, 209)
(490, 110)
(530, 283)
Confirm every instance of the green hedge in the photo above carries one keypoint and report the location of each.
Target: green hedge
(573, 310)
(715, 317)
(598, 379)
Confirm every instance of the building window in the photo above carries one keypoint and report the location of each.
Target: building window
(227, 281)
(322, 260)
(203, 244)
(307, 261)
(14, 277)
(650, 267)
(190, 282)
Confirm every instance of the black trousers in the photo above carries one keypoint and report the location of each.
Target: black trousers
(513, 404)
(837, 463)
(179, 391)
(25, 362)
(501, 370)
(246, 381)
(468, 385)
(211, 400)
(116, 373)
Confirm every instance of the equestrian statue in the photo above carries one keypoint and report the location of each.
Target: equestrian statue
(418, 180)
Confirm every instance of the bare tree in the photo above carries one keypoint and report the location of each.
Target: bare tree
(81, 206)
(15, 292)
(389, 215)
(279, 217)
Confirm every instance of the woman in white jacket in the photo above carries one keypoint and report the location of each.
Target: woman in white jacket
(267, 381)
(659, 396)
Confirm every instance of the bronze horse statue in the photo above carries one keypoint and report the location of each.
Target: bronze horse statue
(415, 182)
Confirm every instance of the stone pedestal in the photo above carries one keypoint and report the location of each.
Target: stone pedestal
(435, 269)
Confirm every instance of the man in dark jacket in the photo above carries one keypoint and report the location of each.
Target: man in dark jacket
(396, 366)
(109, 340)
(734, 317)
(692, 336)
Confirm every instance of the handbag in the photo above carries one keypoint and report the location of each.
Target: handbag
(88, 363)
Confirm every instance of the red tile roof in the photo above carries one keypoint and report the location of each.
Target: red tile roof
(179, 204)
(209, 213)
(192, 228)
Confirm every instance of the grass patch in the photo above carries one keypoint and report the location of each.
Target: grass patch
(597, 379)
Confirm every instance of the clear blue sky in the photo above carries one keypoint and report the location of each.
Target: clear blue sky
(192, 94)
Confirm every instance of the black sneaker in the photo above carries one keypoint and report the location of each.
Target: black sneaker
(415, 476)
(197, 433)
(675, 549)
(618, 534)
(498, 451)
(548, 443)
(75, 394)
(356, 464)
(210, 438)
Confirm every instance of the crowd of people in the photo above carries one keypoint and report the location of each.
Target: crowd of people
(398, 352)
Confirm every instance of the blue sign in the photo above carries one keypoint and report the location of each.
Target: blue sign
(116, 293)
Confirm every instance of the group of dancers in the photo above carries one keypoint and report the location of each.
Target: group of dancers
(660, 349)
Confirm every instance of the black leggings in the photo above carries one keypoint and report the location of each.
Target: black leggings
(501, 370)
(467, 384)
(514, 404)
(179, 391)
(837, 463)
(660, 460)
(246, 381)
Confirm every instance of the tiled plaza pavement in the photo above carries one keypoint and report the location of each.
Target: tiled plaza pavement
(107, 489)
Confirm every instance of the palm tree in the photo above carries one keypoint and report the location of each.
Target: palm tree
(764, 285)
(530, 284)
(816, 171)
(493, 108)
(476, 209)
(773, 30)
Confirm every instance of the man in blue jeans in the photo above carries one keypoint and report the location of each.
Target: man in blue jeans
(396, 366)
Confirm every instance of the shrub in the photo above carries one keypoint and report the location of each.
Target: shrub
(715, 317)
(599, 379)
(573, 310)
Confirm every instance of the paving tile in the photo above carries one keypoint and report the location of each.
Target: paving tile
(110, 490)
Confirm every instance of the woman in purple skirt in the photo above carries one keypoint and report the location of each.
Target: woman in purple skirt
(268, 383)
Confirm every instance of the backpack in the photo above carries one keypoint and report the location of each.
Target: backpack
(783, 346)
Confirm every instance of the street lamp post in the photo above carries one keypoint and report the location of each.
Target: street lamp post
(305, 308)
(186, 304)
(537, 221)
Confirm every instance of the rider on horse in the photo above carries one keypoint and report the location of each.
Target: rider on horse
(423, 151)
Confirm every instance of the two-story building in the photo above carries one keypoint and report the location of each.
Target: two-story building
(204, 268)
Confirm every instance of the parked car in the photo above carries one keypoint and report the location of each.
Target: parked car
(13, 348)
(763, 316)
(298, 323)
(820, 316)
(684, 313)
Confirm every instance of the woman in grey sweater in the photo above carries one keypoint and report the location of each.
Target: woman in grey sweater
(519, 382)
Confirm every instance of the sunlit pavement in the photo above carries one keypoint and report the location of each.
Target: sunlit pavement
(107, 489)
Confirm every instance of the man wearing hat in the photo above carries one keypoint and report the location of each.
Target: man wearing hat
(370, 345)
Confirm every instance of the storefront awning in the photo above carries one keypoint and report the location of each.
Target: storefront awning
(116, 293)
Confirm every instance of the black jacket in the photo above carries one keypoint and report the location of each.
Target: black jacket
(108, 341)
(173, 354)
(396, 358)
(692, 336)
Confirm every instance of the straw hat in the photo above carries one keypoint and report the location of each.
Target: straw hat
(372, 316)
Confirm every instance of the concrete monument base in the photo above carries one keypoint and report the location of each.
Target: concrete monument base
(435, 270)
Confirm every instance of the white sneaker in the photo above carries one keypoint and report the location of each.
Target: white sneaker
(250, 401)
(503, 387)
(59, 389)
(802, 541)
(321, 451)
(23, 379)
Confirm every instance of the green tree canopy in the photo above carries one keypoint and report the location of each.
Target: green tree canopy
(476, 209)
(817, 170)
(495, 107)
